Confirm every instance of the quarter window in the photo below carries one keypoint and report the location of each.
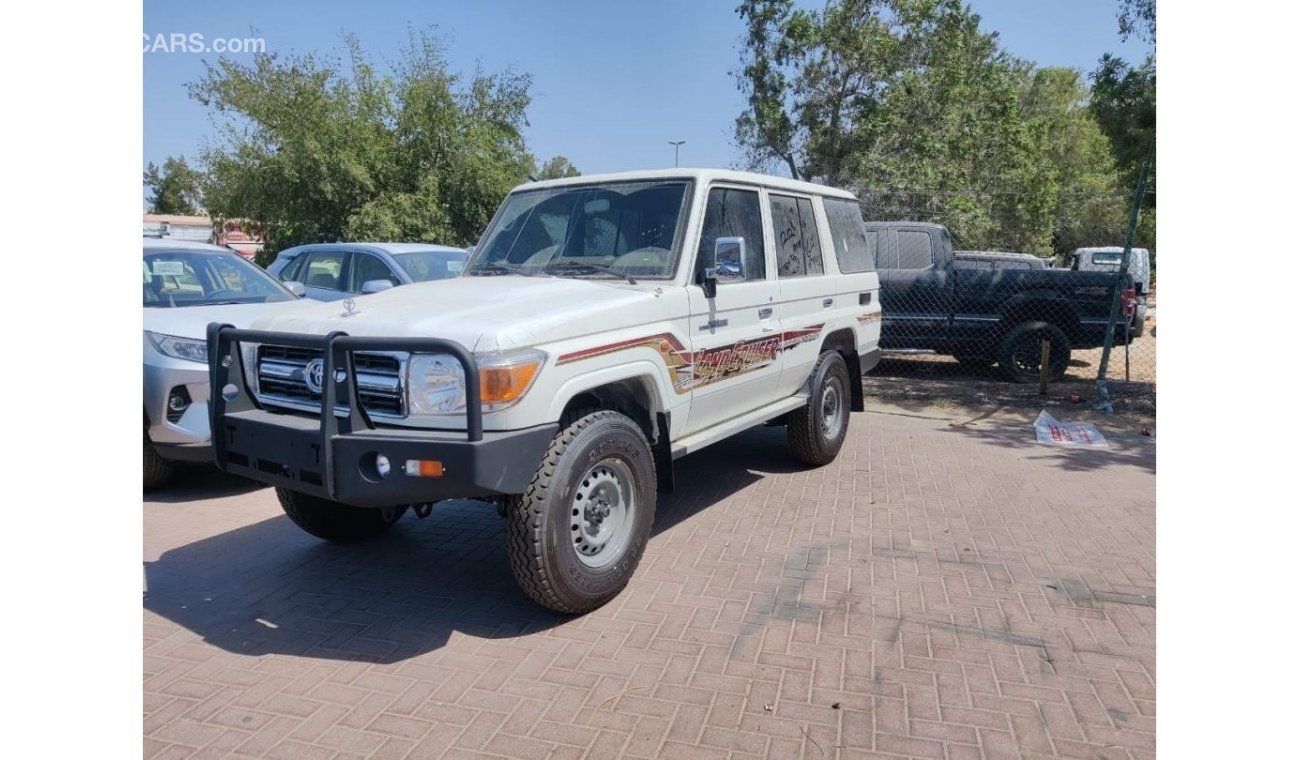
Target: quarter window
(853, 251)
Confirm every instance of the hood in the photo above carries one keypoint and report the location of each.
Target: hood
(481, 313)
(192, 321)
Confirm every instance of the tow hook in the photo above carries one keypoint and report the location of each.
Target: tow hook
(422, 510)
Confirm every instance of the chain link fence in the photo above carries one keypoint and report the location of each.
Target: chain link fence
(1011, 327)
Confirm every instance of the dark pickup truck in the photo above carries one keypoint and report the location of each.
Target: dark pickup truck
(985, 316)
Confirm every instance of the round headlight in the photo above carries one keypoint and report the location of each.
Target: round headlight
(437, 384)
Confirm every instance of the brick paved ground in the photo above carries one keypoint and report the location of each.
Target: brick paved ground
(958, 592)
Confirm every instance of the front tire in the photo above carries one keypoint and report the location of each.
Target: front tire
(157, 471)
(817, 431)
(577, 534)
(1020, 354)
(332, 521)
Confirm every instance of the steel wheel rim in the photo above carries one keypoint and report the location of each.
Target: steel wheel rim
(832, 410)
(602, 513)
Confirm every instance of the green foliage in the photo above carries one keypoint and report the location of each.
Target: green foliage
(924, 115)
(1138, 17)
(319, 149)
(558, 167)
(175, 188)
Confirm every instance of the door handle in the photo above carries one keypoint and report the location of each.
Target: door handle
(765, 312)
(828, 302)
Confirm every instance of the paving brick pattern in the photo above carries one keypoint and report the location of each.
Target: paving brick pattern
(938, 592)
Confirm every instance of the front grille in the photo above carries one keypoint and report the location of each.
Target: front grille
(282, 380)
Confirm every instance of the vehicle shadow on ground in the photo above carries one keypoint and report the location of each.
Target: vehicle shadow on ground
(269, 588)
(196, 482)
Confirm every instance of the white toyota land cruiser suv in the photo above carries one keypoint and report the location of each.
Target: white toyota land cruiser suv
(604, 326)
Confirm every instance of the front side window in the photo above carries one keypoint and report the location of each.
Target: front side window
(914, 250)
(849, 236)
(324, 270)
(798, 247)
(732, 212)
(614, 230)
(366, 267)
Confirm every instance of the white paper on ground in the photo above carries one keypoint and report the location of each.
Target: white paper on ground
(1052, 432)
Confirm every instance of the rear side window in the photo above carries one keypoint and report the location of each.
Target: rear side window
(853, 250)
(798, 248)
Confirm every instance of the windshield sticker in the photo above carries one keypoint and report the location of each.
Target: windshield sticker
(168, 268)
(455, 267)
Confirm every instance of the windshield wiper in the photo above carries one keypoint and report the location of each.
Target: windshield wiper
(573, 266)
(498, 268)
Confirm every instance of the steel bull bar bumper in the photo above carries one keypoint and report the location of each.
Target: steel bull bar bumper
(338, 456)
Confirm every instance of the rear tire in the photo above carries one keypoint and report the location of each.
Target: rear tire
(1020, 353)
(577, 534)
(817, 430)
(332, 521)
(157, 471)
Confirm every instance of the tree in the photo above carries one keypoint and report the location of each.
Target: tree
(1138, 17)
(1124, 104)
(315, 148)
(924, 115)
(175, 188)
(558, 167)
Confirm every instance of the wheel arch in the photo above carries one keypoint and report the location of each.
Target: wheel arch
(845, 342)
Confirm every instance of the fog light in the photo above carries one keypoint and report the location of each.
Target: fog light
(382, 466)
(177, 402)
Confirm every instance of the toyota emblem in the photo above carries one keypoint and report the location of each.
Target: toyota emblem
(314, 375)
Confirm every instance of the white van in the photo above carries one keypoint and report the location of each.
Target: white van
(1107, 259)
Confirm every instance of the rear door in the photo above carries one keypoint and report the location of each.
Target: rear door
(734, 336)
(914, 289)
(805, 292)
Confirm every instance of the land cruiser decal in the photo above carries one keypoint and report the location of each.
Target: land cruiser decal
(690, 370)
(867, 319)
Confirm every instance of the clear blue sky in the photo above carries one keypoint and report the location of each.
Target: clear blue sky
(613, 81)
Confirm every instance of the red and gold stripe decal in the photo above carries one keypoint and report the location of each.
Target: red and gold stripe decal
(690, 370)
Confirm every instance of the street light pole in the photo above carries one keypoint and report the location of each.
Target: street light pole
(677, 146)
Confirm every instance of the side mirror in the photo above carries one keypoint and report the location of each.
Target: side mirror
(297, 288)
(726, 263)
(374, 286)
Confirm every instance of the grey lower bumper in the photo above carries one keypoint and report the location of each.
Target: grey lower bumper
(287, 451)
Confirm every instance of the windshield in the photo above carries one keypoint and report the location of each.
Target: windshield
(431, 265)
(610, 231)
(1107, 259)
(204, 278)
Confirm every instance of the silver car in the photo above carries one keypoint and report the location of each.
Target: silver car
(333, 271)
(186, 286)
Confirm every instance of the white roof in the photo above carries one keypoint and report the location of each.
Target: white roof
(1105, 249)
(703, 176)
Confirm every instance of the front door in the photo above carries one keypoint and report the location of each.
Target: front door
(735, 336)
